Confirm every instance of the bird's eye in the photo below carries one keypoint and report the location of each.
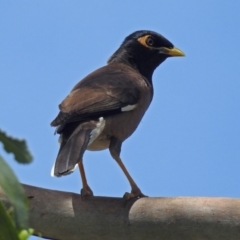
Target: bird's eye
(150, 41)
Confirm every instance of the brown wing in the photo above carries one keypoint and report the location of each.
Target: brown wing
(101, 93)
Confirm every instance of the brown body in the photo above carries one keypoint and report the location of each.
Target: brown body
(121, 124)
(129, 119)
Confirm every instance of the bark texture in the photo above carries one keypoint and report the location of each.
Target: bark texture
(64, 216)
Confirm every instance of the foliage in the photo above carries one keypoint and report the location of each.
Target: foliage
(14, 220)
(17, 147)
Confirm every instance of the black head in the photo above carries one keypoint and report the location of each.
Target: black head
(145, 50)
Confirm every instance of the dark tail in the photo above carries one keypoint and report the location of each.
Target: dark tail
(72, 149)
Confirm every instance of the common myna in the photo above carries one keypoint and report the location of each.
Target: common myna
(105, 107)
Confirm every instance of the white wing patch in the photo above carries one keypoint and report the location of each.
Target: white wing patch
(97, 131)
(129, 108)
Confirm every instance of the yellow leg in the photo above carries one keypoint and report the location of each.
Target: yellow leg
(136, 192)
(86, 190)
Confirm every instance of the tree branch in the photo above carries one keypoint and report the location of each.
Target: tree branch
(63, 215)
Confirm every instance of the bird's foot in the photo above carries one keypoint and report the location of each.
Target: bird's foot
(86, 192)
(135, 193)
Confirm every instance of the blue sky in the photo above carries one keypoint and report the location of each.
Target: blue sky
(188, 143)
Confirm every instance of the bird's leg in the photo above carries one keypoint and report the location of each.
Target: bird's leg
(136, 192)
(115, 148)
(86, 190)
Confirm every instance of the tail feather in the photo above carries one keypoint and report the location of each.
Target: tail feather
(72, 150)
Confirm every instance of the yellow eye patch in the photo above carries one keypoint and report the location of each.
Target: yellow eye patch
(143, 39)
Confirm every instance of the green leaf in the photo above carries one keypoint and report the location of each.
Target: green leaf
(7, 229)
(17, 147)
(15, 194)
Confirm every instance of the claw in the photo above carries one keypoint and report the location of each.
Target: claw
(135, 193)
(86, 192)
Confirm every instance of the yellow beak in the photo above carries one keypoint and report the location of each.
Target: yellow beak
(174, 52)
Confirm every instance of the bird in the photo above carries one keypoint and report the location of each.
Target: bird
(106, 106)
